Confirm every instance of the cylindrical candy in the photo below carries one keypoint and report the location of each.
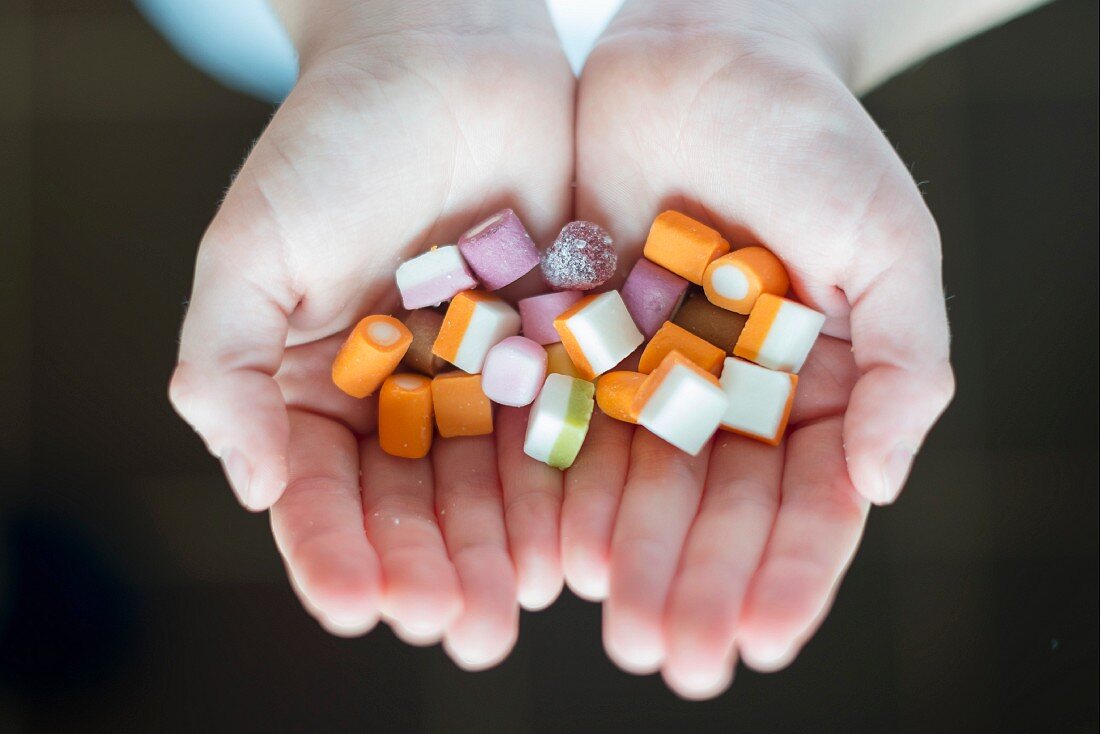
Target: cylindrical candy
(514, 371)
(779, 333)
(499, 250)
(474, 323)
(652, 295)
(615, 392)
(559, 421)
(760, 400)
(581, 258)
(424, 323)
(434, 277)
(405, 423)
(681, 403)
(461, 407)
(370, 354)
(678, 243)
(706, 321)
(598, 333)
(538, 313)
(671, 337)
(736, 280)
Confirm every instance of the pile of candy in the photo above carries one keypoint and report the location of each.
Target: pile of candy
(723, 358)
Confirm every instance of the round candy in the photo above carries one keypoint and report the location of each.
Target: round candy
(581, 258)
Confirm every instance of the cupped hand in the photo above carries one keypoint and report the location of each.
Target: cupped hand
(405, 128)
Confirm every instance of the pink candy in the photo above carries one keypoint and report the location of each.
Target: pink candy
(652, 295)
(581, 258)
(514, 371)
(499, 250)
(538, 314)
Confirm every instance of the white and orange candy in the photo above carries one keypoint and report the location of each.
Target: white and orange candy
(681, 403)
(370, 354)
(760, 400)
(779, 333)
(598, 333)
(736, 280)
(475, 322)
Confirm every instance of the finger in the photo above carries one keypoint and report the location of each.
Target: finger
(318, 526)
(816, 533)
(420, 590)
(722, 552)
(532, 510)
(593, 487)
(659, 502)
(470, 512)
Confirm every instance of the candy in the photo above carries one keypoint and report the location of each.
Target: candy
(513, 372)
(581, 258)
(475, 321)
(779, 333)
(672, 337)
(615, 393)
(759, 400)
(558, 361)
(598, 333)
(736, 280)
(461, 407)
(424, 324)
(678, 243)
(559, 421)
(681, 403)
(434, 277)
(538, 314)
(370, 354)
(707, 321)
(405, 416)
(652, 294)
(499, 250)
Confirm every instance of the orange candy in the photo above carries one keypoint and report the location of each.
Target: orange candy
(615, 393)
(461, 407)
(736, 280)
(371, 353)
(671, 337)
(678, 243)
(405, 416)
(559, 362)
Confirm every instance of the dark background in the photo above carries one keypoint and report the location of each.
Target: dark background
(136, 595)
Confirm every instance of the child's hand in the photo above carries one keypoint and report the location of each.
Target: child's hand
(409, 124)
(731, 113)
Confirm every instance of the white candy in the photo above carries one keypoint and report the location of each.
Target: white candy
(598, 333)
(779, 333)
(559, 419)
(685, 408)
(759, 400)
(434, 277)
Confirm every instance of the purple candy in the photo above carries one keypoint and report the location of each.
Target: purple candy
(581, 258)
(538, 314)
(652, 295)
(499, 250)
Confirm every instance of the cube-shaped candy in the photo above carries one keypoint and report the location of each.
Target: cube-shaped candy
(538, 314)
(581, 258)
(652, 295)
(681, 403)
(558, 361)
(615, 393)
(759, 400)
(499, 250)
(474, 323)
(598, 333)
(405, 423)
(671, 337)
(779, 333)
(370, 354)
(424, 324)
(434, 277)
(707, 321)
(461, 407)
(736, 280)
(514, 371)
(678, 243)
(559, 420)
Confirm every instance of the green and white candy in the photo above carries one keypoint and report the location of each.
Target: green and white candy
(559, 420)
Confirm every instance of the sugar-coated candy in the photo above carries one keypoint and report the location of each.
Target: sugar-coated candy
(559, 420)
(405, 422)
(652, 295)
(615, 393)
(759, 400)
(598, 333)
(461, 406)
(779, 333)
(434, 277)
(370, 354)
(707, 321)
(678, 243)
(736, 280)
(581, 258)
(424, 324)
(474, 323)
(671, 337)
(538, 313)
(514, 371)
(681, 403)
(499, 250)
(558, 361)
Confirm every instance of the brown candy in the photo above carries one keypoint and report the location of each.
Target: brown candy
(707, 321)
(424, 324)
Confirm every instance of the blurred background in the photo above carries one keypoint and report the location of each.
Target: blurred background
(136, 596)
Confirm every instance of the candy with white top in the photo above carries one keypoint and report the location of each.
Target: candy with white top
(652, 295)
(514, 371)
(434, 277)
(499, 250)
(559, 420)
(779, 333)
(598, 333)
(760, 400)
(681, 403)
(475, 322)
(538, 314)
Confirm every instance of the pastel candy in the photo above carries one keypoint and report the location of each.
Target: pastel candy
(538, 314)
(652, 295)
(499, 250)
(736, 280)
(581, 258)
(434, 277)
(598, 333)
(760, 400)
(678, 243)
(370, 354)
(671, 337)
(475, 322)
(779, 333)
(707, 321)
(559, 420)
(514, 371)
(424, 323)
(681, 403)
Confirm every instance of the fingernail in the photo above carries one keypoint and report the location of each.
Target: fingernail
(894, 472)
(239, 475)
